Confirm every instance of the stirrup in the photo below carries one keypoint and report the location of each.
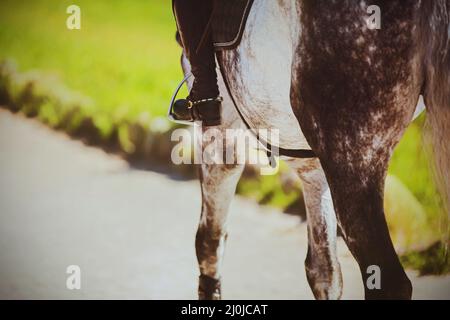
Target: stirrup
(185, 111)
(170, 113)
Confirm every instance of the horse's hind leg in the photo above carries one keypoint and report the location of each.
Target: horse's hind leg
(353, 110)
(218, 185)
(357, 188)
(356, 170)
(322, 266)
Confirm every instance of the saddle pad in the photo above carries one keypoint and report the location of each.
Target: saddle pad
(228, 22)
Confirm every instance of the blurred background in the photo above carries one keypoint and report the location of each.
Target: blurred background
(109, 85)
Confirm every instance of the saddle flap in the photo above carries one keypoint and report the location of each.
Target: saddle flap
(228, 22)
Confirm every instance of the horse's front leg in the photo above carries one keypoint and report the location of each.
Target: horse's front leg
(322, 266)
(218, 184)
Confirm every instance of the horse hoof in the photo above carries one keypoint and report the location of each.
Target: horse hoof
(209, 288)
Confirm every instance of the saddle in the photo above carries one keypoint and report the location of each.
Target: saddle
(227, 25)
(228, 22)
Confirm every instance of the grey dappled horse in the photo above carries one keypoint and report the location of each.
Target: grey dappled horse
(315, 71)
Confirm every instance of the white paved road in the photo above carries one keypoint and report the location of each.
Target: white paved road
(62, 203)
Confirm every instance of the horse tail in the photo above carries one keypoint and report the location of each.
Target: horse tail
(437, 140)
(437, 137)
(437, 95)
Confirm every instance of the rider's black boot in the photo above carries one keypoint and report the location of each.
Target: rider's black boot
(203, 103)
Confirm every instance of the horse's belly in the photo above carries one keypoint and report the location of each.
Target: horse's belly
(259, 74)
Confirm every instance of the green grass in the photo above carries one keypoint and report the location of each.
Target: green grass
(124, 57)
(434, 260)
